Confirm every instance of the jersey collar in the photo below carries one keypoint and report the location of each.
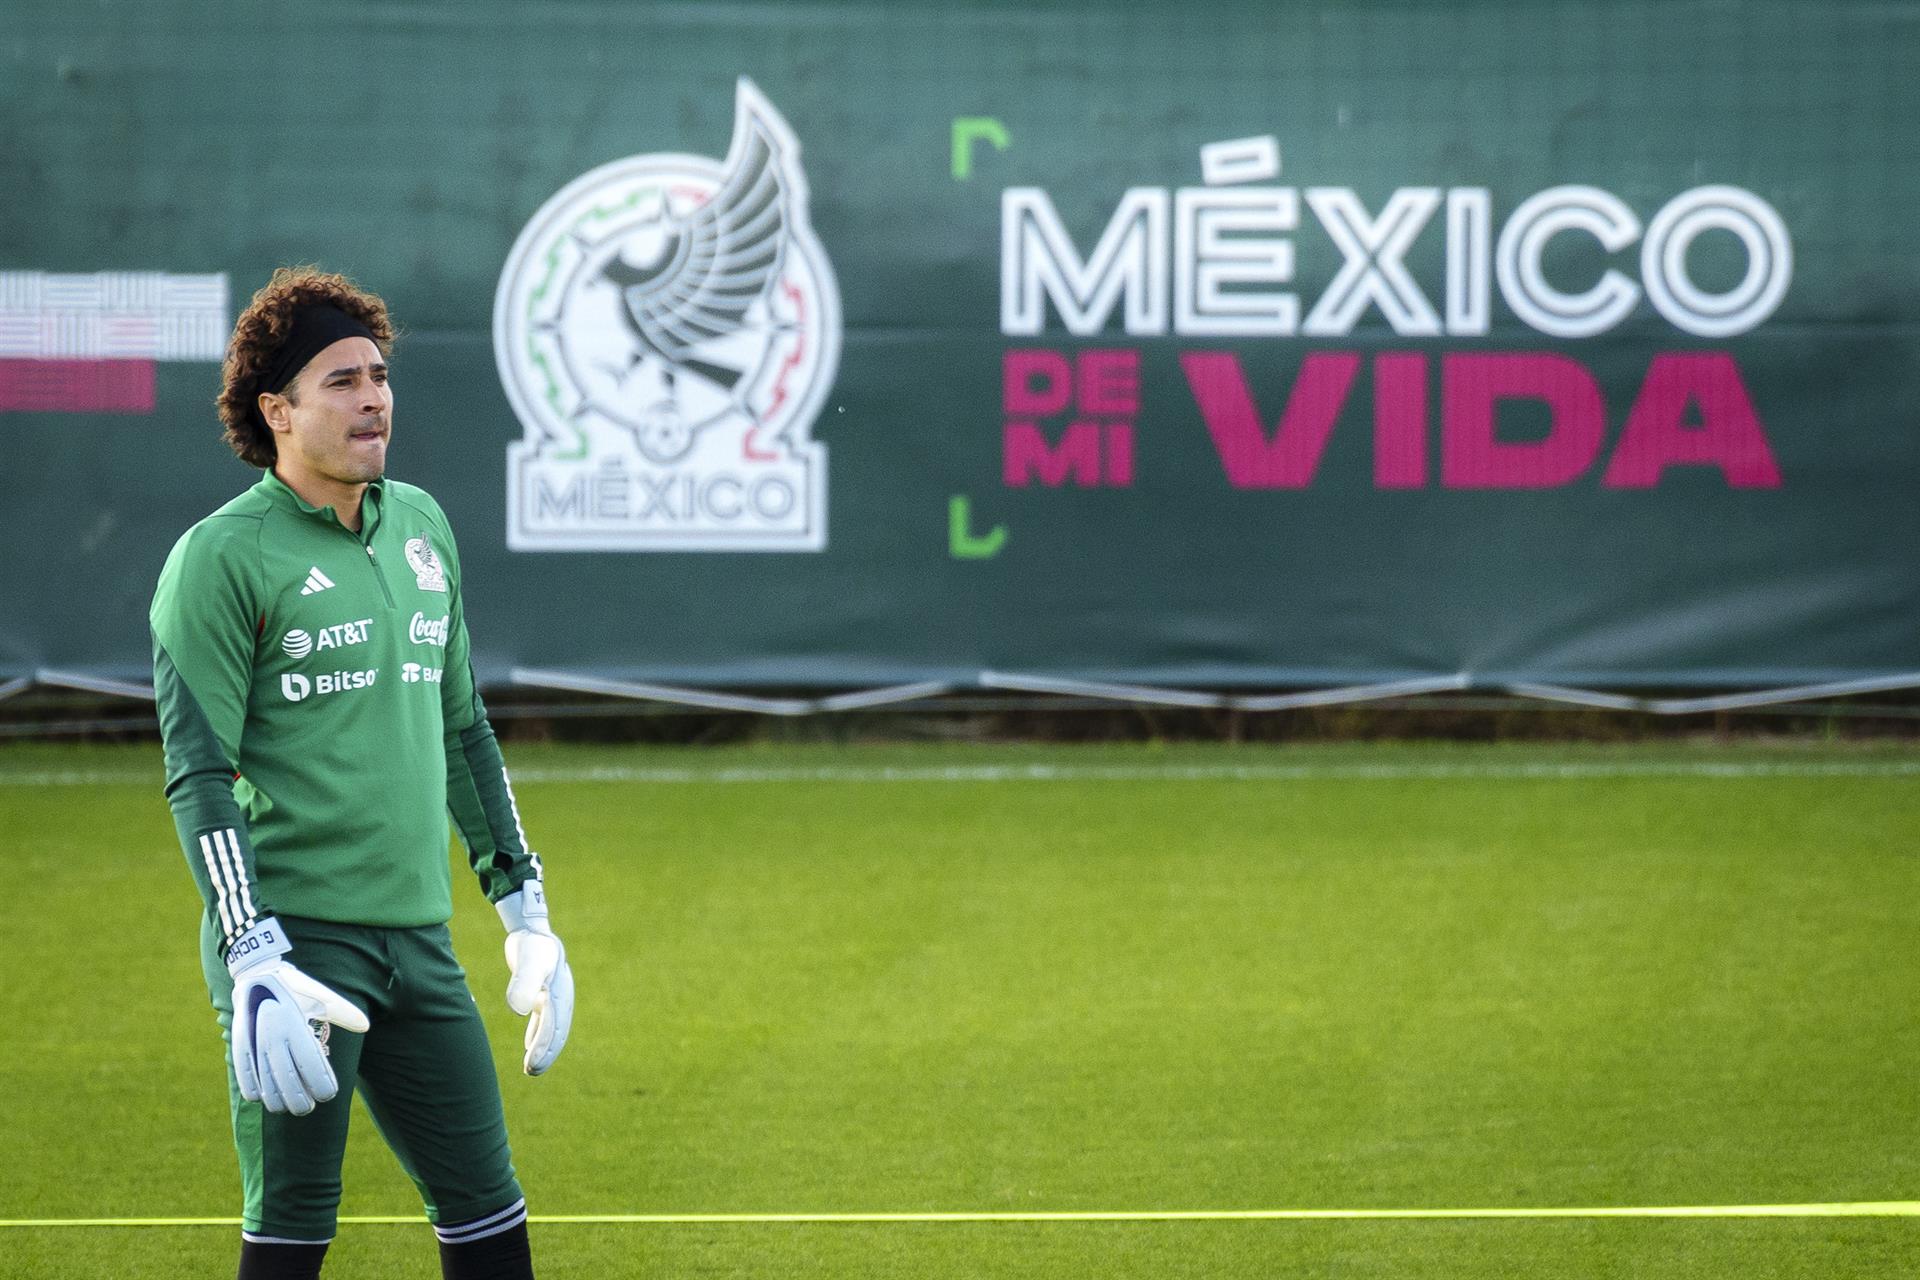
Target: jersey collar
(278, 490)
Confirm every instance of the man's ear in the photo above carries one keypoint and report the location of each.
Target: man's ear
(273, 408)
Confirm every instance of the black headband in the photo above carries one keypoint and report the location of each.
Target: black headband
(315, 328)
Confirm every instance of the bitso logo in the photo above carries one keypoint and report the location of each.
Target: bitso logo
(297, 643)
(294, 687)
(667, 328)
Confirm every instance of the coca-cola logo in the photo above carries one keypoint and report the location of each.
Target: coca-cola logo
(422, 631)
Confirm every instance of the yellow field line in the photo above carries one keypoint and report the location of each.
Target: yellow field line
(1855, 1209)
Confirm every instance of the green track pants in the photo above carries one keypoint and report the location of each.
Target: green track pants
(424, 1068)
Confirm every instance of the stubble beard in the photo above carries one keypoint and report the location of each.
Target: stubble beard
(360, 469)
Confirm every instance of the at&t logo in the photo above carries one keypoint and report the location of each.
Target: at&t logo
(297, 643)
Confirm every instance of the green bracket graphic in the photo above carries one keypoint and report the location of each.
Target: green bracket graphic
(961, 541)
(968, 130)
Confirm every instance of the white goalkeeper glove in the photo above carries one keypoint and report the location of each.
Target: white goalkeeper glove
(278, 1059)
(541, 989)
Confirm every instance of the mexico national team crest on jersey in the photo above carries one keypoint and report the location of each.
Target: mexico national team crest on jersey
(667, 328)
(428, 574)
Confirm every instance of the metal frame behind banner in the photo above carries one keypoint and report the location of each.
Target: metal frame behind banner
(902, 695)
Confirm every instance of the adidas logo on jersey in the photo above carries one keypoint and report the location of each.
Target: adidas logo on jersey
(316, 581)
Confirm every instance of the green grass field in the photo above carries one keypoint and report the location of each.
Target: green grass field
(837, 980)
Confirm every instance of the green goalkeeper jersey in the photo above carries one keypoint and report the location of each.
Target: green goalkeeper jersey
(320, 714)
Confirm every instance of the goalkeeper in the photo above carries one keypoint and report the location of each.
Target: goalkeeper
(311, 668)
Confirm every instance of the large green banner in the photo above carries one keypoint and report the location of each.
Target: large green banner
(821, 345)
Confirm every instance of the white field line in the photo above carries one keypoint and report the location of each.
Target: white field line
(1331, 771)
(1853, 1209)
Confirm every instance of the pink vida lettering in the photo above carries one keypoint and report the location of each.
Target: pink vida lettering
(1725, 432)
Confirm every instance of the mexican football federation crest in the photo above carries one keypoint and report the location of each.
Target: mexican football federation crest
(427, 572)
(667, 328)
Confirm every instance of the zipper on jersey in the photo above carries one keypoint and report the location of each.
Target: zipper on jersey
(373, 563)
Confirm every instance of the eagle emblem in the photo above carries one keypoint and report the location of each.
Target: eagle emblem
(428, 573)
(697, 276)
(667, 330)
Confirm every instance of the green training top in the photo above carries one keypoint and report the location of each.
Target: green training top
(320, 714)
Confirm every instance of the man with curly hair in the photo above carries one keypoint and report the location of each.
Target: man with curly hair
(321, 721)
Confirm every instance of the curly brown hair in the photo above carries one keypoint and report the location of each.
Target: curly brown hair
(257, 335)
